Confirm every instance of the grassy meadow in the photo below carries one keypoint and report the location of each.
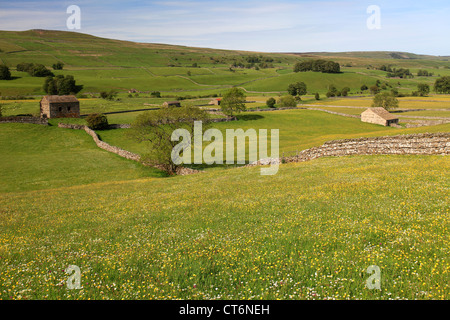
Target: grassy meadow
(308, 232)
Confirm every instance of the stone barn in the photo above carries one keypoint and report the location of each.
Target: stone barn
(215, 102)
(168, 104)
(60, 107)
(379, 116)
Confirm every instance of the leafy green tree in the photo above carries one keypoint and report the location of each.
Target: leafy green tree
(58, 66)
(287, 102)
(5, 74)
(61, 85)
(423, 89)
(317, 96)
(385, 100)
(155, 129)
(271, 102)
(364, 87)
(297, 89)
(374, 89)
(24, 66)
(332, 91)
(442, 85)
(97, 121)
(108, 95)
(345, 91)
(233, 101)
(39, 70)
(318, 65)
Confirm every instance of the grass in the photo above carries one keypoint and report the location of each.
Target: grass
(39, 157)
(102, 64)
(309, 232)
(299, 129)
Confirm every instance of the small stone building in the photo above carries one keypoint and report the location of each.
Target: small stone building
(215, 102)
(171, 104)
(380, 116)
(60, 107)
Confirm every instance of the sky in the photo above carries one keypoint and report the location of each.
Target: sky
(420, 27)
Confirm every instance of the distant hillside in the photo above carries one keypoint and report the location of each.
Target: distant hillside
(104, 64)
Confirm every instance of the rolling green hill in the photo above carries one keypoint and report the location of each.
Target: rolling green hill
(103, 64)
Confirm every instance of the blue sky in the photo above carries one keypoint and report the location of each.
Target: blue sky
(257, 25)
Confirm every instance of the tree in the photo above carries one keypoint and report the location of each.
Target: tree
(110, 95)
(318, 65)
(374, 89)
(97, 121)
(287, 102)
(332, 91)
(233, 101)
(364, 87)
(271, 102)
(5, 74)
(345, 91)
(317, 96)
(39, 70)
(297, 89)
(58, 66)
(423, 89)
(155, 129)
(385, 100)
(61, 85)
(442, 85)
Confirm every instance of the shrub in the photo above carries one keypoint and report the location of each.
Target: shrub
(5, 74)
(287, 102)
(108, 95)
(271, 102)
(317, 96)
(58, 66)
(385, 100)
(97, 121)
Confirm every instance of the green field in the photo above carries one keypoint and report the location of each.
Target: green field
(103, 64)
(308, 232)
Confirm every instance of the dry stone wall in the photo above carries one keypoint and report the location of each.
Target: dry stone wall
(101, 144)
(18, 119)
(121, 152)
(418, 144)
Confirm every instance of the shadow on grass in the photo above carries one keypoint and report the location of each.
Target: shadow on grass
(205, 166)
(249, 117)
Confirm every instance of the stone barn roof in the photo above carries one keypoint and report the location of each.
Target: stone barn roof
(59, 99)
(382, 112)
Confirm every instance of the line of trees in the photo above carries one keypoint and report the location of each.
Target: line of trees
(34, 69)
(400, 73)
(61, 85)
(424, 73)
(318, 65)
